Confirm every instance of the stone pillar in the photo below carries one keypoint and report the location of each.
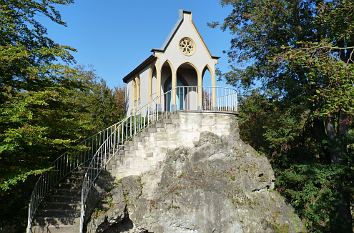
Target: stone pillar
(200, 91)
(150, 84)
(174, 90)
(213, 90)
(137, 81)
(158, 84)
(133, 93)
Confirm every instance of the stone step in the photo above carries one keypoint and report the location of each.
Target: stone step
(143, 134)
(127, 147)
(116, 158)
(136, 139)
(161, 129)
(130, 143)
(73, 180)
(55, 229)
(159, 124)
(64, 198)
(64, 224)
(173, 116)
(167, 121)
(58, 213)
(61, 205)
(70, 185)
(152, 130)
(134, 170)
(112, 167)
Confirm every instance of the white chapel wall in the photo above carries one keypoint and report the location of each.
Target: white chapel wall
(144, 76)
(201, 56)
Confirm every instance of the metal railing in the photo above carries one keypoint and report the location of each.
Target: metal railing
(187, 99)
(62, 167)
(101, 147)
(124, 131)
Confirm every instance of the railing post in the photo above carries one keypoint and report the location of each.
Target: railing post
(104, 143)
(131, 127)
(29, 220)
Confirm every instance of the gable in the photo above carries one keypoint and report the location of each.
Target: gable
(185, 26)
(171, 51)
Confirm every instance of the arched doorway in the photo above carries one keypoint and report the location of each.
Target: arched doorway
(180, 95)
(188, 74)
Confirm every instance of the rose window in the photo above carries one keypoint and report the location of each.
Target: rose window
(187, 46)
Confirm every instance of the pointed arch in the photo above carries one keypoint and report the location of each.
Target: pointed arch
(193, 77)
(169, 63)
(207, 67)
(152, 82)
(186, 64)
(166, 73)
(210, 92)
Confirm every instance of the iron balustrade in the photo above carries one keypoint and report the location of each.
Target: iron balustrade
(62, 167)
(103, 146)
(124, 131)
(225, 99)
(210, 99)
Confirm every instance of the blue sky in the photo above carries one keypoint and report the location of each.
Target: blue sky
(114, 36)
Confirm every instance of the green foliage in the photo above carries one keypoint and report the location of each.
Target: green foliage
(47, 105)
(314, 189)
(299, 55)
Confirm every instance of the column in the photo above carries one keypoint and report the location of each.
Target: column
(200, 91)
(213, 90)
(133, 93)
(174, 89)
(150, 85)
(137, 81)
(158, 85)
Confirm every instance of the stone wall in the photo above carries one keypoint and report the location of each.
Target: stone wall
(191, 173)
(180, 129)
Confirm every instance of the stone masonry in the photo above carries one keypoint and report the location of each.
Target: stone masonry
(149, 147)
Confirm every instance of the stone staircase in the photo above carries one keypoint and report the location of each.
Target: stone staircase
(146, 149)
(60, 210)
(149, 147)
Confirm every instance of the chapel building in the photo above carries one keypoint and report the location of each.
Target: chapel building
(172, 77)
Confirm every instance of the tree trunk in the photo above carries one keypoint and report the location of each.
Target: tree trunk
(336, 133)
(334, 148)
(342, 220)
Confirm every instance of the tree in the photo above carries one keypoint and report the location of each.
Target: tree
(301, 55)
(47, 105)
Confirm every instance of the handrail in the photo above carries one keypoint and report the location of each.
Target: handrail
(144, 116)
(106, 143)
(111, 146)
(62, 167)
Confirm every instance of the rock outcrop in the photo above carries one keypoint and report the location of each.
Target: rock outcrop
(219, 185)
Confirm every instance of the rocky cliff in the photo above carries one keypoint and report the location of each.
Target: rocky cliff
(219, 185)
